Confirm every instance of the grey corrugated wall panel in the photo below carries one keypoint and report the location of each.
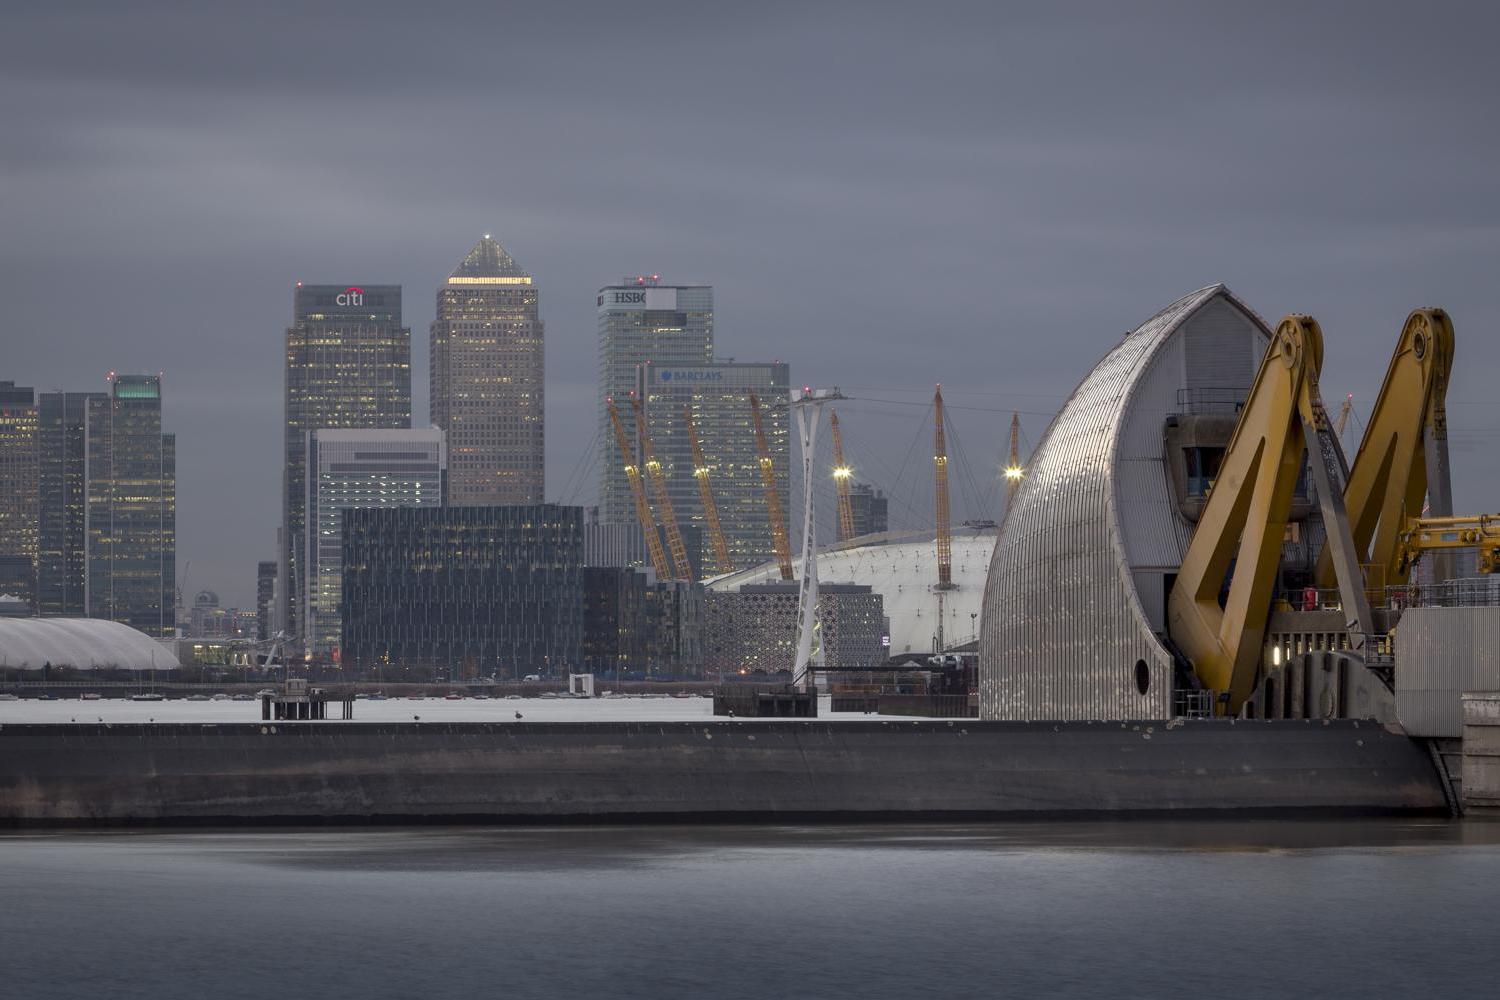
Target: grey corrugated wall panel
(1063, 625)
(1440, 654)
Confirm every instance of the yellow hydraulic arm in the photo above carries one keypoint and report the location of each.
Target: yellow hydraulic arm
(841, 474)
(940, 473)
(642, 508)
(663, 499)
(1244, 520)
(706, 496)
(779, 538)
(1438, 534)
(1404, 455)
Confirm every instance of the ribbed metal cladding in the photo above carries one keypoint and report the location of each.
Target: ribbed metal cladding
(1063, 625)
(1443, 652)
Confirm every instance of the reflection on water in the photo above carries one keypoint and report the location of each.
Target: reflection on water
(1185, 909)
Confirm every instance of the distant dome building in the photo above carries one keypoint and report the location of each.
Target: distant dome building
(81, 643)
(206, 599)
(1075, 599)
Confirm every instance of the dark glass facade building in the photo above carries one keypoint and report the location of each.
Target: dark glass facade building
(348, 365)
(463, 592)
(870, 508)
(265, 593)
(486, 380)
(62, 545)
(131, 514)
(634, 624)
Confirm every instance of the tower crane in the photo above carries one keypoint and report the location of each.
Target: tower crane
(1244, 520)
(779, 538)
(638, 491)
(841, 475)
(663, 499)
(706, 496)
(1403, 457)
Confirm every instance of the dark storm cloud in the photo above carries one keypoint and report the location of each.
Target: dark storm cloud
(885, 195)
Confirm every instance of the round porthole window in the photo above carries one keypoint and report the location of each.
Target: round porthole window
(1142, 676)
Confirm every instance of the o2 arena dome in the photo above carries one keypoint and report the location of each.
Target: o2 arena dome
(1075, 599)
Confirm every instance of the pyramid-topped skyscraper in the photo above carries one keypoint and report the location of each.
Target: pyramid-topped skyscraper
(486, 380)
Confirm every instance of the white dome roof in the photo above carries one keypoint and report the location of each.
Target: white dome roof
(82, 643)
(902, 571)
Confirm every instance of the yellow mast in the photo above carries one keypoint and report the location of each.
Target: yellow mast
(841, 475)
(663, 499)
(779, 537)
(706, 495)
(642, 508)
(940, 468)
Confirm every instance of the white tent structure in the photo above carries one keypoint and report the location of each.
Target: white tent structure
(81, 643)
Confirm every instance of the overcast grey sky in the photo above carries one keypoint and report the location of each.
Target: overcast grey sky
(886, 196)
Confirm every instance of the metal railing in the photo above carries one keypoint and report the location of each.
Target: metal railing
(1211, 400)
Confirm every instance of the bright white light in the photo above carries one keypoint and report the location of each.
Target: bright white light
(1014, 472)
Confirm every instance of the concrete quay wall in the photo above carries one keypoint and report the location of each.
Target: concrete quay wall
(720, 770)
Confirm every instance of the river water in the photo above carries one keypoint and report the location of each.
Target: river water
(1143, 909)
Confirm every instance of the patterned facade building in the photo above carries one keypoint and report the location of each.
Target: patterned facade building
(18, 492)
(348, 365)
(463, 592)
(130, 521)
(487, 380)
(718, 397)
(358, 468)
(634, 624)
(642, 321)
(754, 629)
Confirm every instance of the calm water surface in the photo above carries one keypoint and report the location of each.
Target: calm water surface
(1367, 909)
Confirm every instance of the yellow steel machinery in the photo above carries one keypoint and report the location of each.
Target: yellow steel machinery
(1244, 521)
(779, 538)
(706, 496)
(841, 475)
(1444, 534)
(680, 561)
(1403, 457)
(638, 491)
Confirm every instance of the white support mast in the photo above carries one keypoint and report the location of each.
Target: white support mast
(808, 405)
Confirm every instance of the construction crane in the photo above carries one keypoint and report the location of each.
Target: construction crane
(1403, 458)
(706, 496)
(638, 491)
(841, 475)
(1438, 534)
(663, 499)
(1245, 516)
(779, 537)
(940, 471)
(1014, 470)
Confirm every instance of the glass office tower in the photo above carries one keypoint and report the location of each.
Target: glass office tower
(18, 492)
(62, 543)
(486, 380)
(358, 468)
(348, 365)
(131, 514)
